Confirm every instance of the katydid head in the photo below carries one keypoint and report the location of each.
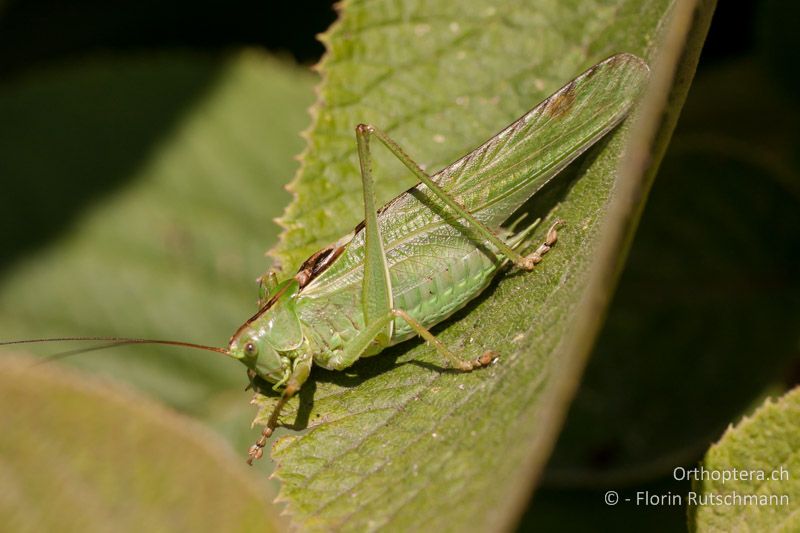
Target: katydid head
(251, 347)
(266, 342)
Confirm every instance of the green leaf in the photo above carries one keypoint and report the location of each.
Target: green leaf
(395, 441)
(758, 459)
(140, 193)
(81, 455)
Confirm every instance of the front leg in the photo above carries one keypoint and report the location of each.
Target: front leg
(300, 372)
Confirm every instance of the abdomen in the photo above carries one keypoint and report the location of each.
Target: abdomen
(440, 293)
(430, 292)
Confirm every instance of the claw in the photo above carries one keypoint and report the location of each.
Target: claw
(552, 233)
(488, 357)
(550, 240)
(254, 454)
(256, 451)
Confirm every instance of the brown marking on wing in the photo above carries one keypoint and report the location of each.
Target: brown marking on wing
(317, 264)
(561, 102)
(312, 267)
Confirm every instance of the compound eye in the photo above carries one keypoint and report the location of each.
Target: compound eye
(250, 349)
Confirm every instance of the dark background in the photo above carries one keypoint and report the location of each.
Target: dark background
(38, 31)
(34, 32)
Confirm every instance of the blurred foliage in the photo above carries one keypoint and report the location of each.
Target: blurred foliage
(94, 123)
(760, 458)
(106, 459)
(156, 179)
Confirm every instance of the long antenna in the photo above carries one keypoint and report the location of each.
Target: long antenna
(118, 341)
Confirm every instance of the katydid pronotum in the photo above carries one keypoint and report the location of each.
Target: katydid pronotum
(421, 257)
